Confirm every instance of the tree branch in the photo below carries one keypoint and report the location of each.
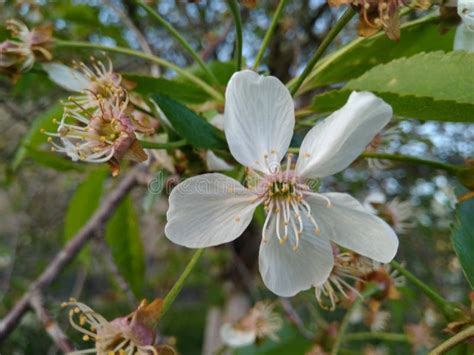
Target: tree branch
(68, 252)
(54, 331)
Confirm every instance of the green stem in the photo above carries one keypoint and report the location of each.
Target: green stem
(450, 310)
(234, 9)
(460, 337)
(268, 35)
(343, 20)
(362, 336)
(398, 157)
(169, 145)
(176, 289)
(345, 321)
(178, 37)
(154, 59)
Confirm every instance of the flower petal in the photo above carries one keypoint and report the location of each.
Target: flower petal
(236, 338)
(336, 142)
(215, 163)
(286, 271)
(347, 223)
(464, 38)
(259, 119)
(208, 210)
(66, 77)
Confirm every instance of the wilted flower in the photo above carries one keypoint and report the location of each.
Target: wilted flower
(133, 334)
(19, 54)
(105, 134)
(347, 267)
(387, 280)
(295, 252)
(420, 336)
(259, 323)
(397, 213)
(381, 141)
(97, 82)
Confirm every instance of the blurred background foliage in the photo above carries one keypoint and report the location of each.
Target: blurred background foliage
(45, 199)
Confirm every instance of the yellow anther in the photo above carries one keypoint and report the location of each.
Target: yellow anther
(237, 219)
(103, 139)
(50, 139)
(306, 154)
(317, 231)
(85, 338)
(77, 310)
(282, 241)
(55, 121)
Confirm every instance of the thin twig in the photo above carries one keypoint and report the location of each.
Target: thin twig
(141, 39)
(295, 318)
(460, 337)
(52, 328)
(68, 252)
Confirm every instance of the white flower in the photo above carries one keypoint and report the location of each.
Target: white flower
(295, 252)
(259, 323)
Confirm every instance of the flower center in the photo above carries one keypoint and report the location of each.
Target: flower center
(283, 195)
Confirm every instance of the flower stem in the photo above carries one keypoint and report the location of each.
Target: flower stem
(268, 35)
(453, 341)
(434, 164)
(152, 58)
(178, 37)
(345, 321)
(176, 289)
(449, 309)
(169, 145)
(234, 9)
(343, 20)
(378, 336)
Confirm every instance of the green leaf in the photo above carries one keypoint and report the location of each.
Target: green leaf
(422, 108)
(221, 70)
(427, 86)
(182, 91)
(195, 129)
(463, 236)
(362, 54)
(55, 161)
(34, 137)
(439, 75)
(82, 206)
(84, 202)
(122, 234)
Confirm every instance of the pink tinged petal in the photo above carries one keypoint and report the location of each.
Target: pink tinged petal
(346, 222)
(336, 142)
(66, 77)
(208, 210)
(286, 271)
(259, 119)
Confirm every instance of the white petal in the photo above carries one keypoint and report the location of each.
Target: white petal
(66, 77)
(218, 121)
(466, 12)
(236, 338)
(214, 163)
(285, 271)
(464, 38)
(208, 210)
(259, 119)
(333, 144)
(347, 223)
